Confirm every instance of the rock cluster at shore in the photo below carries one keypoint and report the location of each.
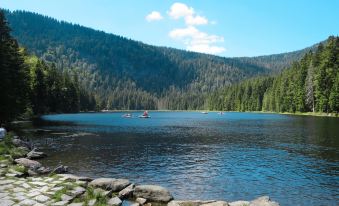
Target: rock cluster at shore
(26, 182)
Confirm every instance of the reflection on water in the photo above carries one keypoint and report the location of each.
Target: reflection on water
(293, 159)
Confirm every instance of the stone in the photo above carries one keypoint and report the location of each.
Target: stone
(39, 204)
(141, 200)
(35, 154)
(71, 177)
(263, 201)
(3, 194)
(135, 204)
(18, 189)
(99, 191)
(60, 203)
(33, 194)
(32, 164)
(39, 183)
(6, 202)
(77, 191)
(60, 169)
(239, 203)
(67, 198)
(20, 143)
(76, 204)
(43, 170)
(26, 186)
(27, 202)
(57, 188)
(41, 198)
(115, 201)
(110, 184)
(153, 193)
(44, 189)
(127, 192)
(189, 202)
(216, 203)
(92, 202)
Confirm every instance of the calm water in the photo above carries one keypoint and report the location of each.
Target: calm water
(293, 159)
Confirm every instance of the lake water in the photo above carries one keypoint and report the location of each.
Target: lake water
(293, 159)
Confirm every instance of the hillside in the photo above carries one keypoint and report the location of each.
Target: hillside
(309, 85)
(127, 74)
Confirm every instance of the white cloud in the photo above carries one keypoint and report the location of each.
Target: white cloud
(154, 16)
(179, 10)
(198, 41)
(195, 20)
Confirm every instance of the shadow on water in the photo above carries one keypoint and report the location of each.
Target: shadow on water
(294, 159)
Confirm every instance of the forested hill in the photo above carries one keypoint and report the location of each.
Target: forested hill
(127, 74)
(309, 85)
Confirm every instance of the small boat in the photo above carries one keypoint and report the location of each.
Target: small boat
(144, 115)
(204, 112)
(127, 115)
(220, 113)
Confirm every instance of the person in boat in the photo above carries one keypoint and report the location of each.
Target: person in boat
(145, 113)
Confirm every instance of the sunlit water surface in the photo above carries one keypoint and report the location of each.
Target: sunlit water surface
(293, 159)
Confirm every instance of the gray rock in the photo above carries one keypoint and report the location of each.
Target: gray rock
(60, 169)
(43, 170)
(127, 192)
(92, 202)
(110, 184)
(31, 164)
(27, 202)
(141, 200)
(216, 203)
(67, 198)
(105, 193)
(115, 201)
(153, 193)
(76, 204)
(263, 201)
(6, 202)
(239, 203)
(189, 202)
(70, 177)
(78, 191)
(60, 203)
(20, 143)
(42, 198)
(35, 154)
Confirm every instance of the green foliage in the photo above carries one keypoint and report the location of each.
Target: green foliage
(126, 74)
(310, 85)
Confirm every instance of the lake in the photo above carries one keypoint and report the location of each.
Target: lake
(293, 159)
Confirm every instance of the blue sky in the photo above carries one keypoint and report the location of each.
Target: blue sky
(222, 27)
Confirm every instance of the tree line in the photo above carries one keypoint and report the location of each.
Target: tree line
(31, 86)
(309, 85)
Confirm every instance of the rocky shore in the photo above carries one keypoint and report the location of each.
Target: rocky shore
(25, 181)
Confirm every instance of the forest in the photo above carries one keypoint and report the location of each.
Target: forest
(309, 85)
(127, 74)
(30, 86)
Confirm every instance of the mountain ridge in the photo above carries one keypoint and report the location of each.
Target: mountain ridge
(108, 64)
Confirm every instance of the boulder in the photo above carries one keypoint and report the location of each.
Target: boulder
(216, 203)
(21, 143)
(263, 201)
(60, 169)
(239, 203)
(115, 201)
(152, 193)
(189, 202)
(74, 178)
(35, 154)
(31, 164)
(127, 192)
(110, 184)
(141, 200)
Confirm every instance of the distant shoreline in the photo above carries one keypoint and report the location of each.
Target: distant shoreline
(315, 114)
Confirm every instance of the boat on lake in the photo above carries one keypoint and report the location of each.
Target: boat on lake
(144, 115)
(127, 115)
(204, 112)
